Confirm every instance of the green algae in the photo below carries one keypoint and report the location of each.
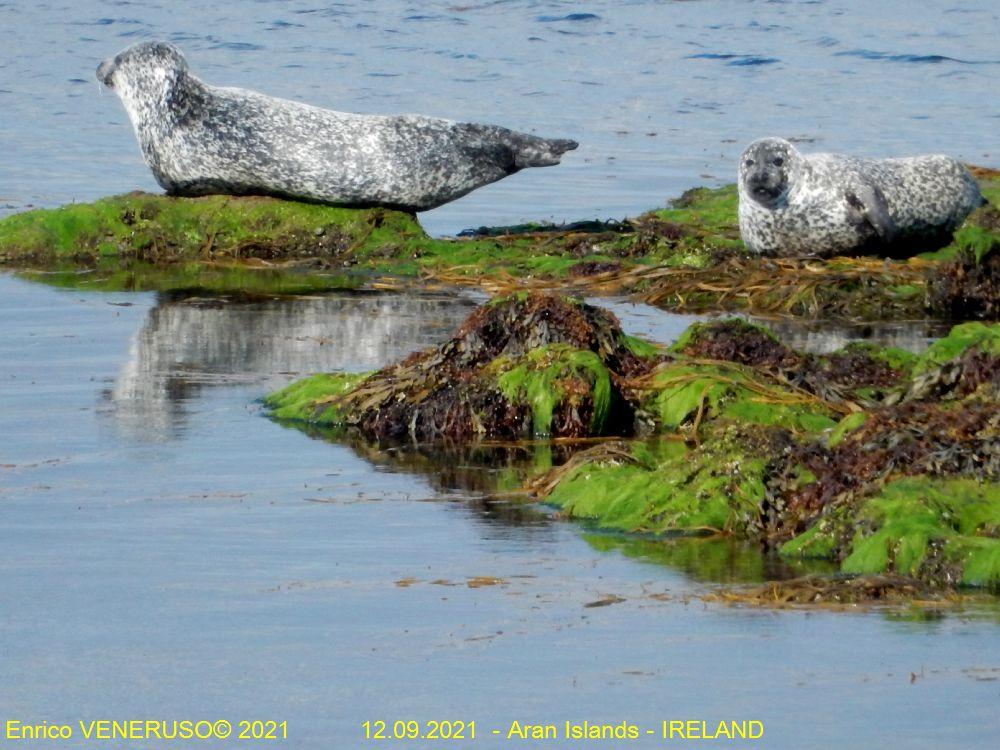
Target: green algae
(671, 489)
(751, 439)
(521, 366)
(156, 227)
(845, 426)
(310, 400)
(696, 331)
(983, 337)
(942, 529)
(710, 216)
(163, 230)
(543, 378)
(686, 257)
(898, 359)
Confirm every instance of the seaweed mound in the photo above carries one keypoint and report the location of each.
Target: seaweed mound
(164, 229)
(968, 287)
(881, 461)
(526, 365)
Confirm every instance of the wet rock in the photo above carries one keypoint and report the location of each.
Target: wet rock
(968, 287)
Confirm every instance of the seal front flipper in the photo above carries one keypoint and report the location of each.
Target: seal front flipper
(867, 205)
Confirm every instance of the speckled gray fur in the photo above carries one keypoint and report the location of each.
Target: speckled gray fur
(794, 204)
(200, 139)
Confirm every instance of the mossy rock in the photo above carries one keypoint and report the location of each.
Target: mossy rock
(750, 438)
(163, 229)
(525, 365)
(945, 530)
(154, 232)
(765, 459)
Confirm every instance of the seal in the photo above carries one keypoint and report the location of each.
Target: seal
(200, 139)
(795, 204)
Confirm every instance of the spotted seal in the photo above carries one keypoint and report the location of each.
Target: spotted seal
(200, 139)
(827, 204)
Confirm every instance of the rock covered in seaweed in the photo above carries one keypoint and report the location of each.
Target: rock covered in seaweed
(818, 455)
(968, 287)
(905, 483)
(520, 366)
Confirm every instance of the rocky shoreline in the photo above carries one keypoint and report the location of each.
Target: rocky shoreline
(684, 258)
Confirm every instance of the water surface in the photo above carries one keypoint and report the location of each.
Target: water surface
(169, 552)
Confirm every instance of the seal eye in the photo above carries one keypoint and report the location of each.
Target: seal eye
(777, 161)
(749, 162)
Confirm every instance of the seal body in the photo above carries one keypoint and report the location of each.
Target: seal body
(827, 204)
(200, 139)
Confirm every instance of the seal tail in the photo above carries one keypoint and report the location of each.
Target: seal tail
(530, 151)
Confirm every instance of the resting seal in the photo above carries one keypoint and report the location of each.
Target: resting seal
(827, 204)
(200, 139)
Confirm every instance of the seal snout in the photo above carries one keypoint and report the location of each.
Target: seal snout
(765, 184)
(105, 71)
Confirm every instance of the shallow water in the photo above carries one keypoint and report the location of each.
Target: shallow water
(661, 95)
(169, 552)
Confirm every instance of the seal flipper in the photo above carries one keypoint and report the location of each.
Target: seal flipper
(869, 207)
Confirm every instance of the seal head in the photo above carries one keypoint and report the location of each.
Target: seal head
(149, 74)
(766, 170)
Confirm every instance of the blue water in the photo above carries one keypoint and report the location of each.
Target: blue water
(661, 95)
(166, 551)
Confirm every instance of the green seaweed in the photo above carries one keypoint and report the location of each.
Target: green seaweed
(696, 239)
(540, 378)
(679, 392)
(982, 336)
(761, 458)
(846, 425)
(936, 528)
(898, 359)
(160, 227)
(310, 400)
(714, 489)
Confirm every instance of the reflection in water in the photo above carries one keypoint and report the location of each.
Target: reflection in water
(188, 344)
(495, 472)
(823, 337)
(817, 336)
(713, 559)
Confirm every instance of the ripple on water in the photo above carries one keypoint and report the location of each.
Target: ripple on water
(734, 59)
(569, 17)
(867, 54)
